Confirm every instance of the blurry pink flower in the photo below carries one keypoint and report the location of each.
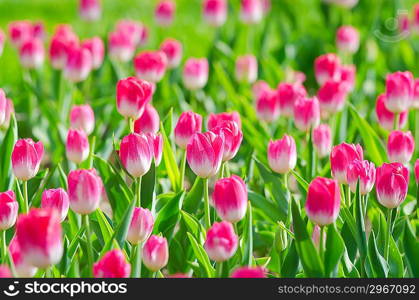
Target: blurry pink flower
(155, 142)
(400, 146)
(82, 117)
(233, 137)
(322, 140)
(56, 199)
(215, 12)
(347, 39)
(327, 67)
(332, 96)
(361, 170)
(32, 53)
(246, 68)
(195, 73)
(155, 253)
(77, 146)
(141, 226)
(267, 106)
(150, 65)
(132, 96)
(173, 50)
(251, 11)
(215, 120)
(164, 12)
(90, 10)
(188, 124)
(97, 50)
(8, 210)
(84, 190)
(79, 64)
(287, 95)
(306, 113)
(112, 265)
(386, 117)
(22, 267)
(121, 46)
(399, 91)
(249, 272)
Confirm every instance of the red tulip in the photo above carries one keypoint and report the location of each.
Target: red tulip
(132, 96)
(215, 12)
(56, 199)
(173, 50)
(84, 190)
(90, 10)
(327, 67)
(347, 39)
(164, 12)
(8, 210)
(26, 158)
(361, 170)
(251, 11)
(150, 65)
(400, 146)
(246, 68)
(82, 117)
(260, 87)
(249, 272)
(131, 29)
(221, 242)
(287, 95)
(79, 64)
(155, 253)
(141, 226)
(32, 53)
(282, 154)
(149, 121)
(188, 124)
(97, 50)
(112, 265)
(233, 137)
(215, 120)
(392, 184)
(77, 146)
(342, 155)
(399, 91)
(306, 113)
(136, 154)
(322, 140)
(267, 106)
(195, 73)
(386, 117)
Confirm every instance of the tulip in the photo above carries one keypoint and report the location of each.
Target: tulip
(260, 87)
(63, 40)
(79, 64)
(342, 155)
(7, 113)
(97, 51)
(22, 267)
(295, 77)
(141, 226)
(249, 272)
(392, 184)
(306, 113)
(323, 201)
(56, 199)
(136, 154)
(8, 210)
(361, 170)
(131, 29)
(195, 73)
(132, 96)
(2, 40)
(400, 146)
(156, 143)
(112, 265)
(416, 17)
(287, 95)
(90, 10)
(332, 96)
(32, 53)
(5, 272)
(404, 24)
(282, 154)
(327, 67)
(173, 50)
(386, 117)
(347, 39)
(164, 12)
(150, 65)
(221, 242)
(188, 124)
(20, 31)
(233, 137)
(246, 69)
(417, 171)
(39, 237)
(3, 105)
(347, 76)
(77, 146)
(251, 11)
(26, 158)
(38, 30)
(84, 190)
(149, 121)
(121, 46)
(415, 103)
(322, 140)
(155, 253)
(215, 12)
(82, 117)
(399, 92)
(230, 198)
(215, 120)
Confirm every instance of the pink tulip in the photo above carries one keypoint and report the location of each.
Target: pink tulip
(347, 76)
(415, 103)
(155, 253)
(282, 154)
(90, 10)
(26, 158)
(173, 50)
(39, 237)
(195, 73)
(386, 117)
(392, 184)
(79, 64)
(84, 190)
(342, 155)
(399, 91)
(260, 87)
(246, 68)
(22, 267)
(215, 120)
(82, 117)
(323, 201)
(132, 96)
(221, 242)
(38, 30)
(306, 113)
(322, 140)
(112, 265)
(249, 272)
(149, 121)
(7, 113)
(204, 153)
(97, 51)
(215, 12)
(230, 198)
(156, 143)
(141, 226)
(417, 171)
(8, 210)
(121, 46)
(63, 40)
(19, 32)
(287, 95)
(233, 137)
(361, 170)
(5, 272)
(332, 96)
(266, 6)
(251, 11)
(56, 199)
(2, 40)
(400, 146)
(164, 13)
(416, 17)
(77, 146)
(136, 154)
(347, 39)
(3, 105)
(188, 124)
(150, 65)
(327, 67)
(131, 29)
(32, 53)
(404, 23)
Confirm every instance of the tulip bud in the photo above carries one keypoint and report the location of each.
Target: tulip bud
(246, 69)
(156, 143)
(3, 105)
(26, 158)
(322, 140)
(150, 65)
(306, 113)
(149, 121)
(19, 31)
(155, 253)
(61, 43)
(347, 76)
(131, 29)
(221, 242)
(195, 73)
(287, 95)
(39, 237)
(400, 146)
(342, 155)
(249, 272)
(8, 210)
(215, 120)
(90, 10)
(392, 184)
(2, 40)
(56, 199)
(323, 201)
(141, 226)
(121, 46)
(204, 153)
(173, 50)
(327, 67)
(82, 117)
(79, 64)
(260, 87)
(417, 171)
(267, 106)
(84, 190)
(132, 95)
(230, 198)
(399, 91)
(215, 12)
(77, 146)
(97, 51)
(233, 137)
(416, 17)
(386, 117)
(347, 39)
(112, 265)
(5, 272)
(136, 154)
(282, 154)
(332, 96)
(403, 23)
(32, 53)
(188, 124)
(23, 269)
(361, 170)
(251, 11)
(164, 13)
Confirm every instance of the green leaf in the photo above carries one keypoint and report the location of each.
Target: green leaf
(194, 197)
(201, 256)
(291, 262)
(170, 161)
(377, 263)
(6, 148)
(148, 182)
(169, 215)
(335, 247)
(411, 246)
(193, 226)
(247, 237)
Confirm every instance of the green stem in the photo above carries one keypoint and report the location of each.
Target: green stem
(321, 243)
(387, 237)
(25, 197)
(131, 124)
(348, 196)
(396, 121)
(207, 205)
(417, 201)
(250, 233)
(138, 191)
(286, 181)
(182, 171)
(92, 152)
(219, 270)
(222, 170)
(89, 244)
(4, 247)
(136, 260)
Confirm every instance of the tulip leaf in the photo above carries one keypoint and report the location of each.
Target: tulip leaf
(170, 161)
(6, 148)
(335, 247)
(169, 215)
(193, 226)
(148, 182)
(411, 246)
(194, 197)
(201, 256)
(377, 263)
(290, 265)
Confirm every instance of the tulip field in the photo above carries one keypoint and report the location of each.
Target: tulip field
(209, 138)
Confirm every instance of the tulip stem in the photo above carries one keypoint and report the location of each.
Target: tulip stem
(4, 246)
(25, 197)
(138, 192)
(182, 170)
(92, 152)
(131, 124)
(89, 244)
(396, 121)
(348, 196)
(321, 243)
(207, 205)
(286, 181)
(219, 269)
(388, 235)
(136, 261)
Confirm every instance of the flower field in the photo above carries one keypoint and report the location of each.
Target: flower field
(209, 138)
